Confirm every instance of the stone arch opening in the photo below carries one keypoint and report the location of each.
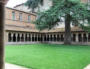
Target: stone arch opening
(84, 38)
(80, 37)
(74, 37)
(58, 38)
(62, 38)
(9, 37)
(14, 37)
(89, 37)
(18, 38)
(22, 37)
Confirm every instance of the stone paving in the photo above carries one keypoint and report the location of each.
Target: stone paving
(87, 67)
(12, 66)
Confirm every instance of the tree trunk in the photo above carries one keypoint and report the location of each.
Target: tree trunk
(1, 35)
(67, 37)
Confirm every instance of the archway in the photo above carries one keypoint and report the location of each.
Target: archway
(9, 37)
(14, 37)
(18, 38)
(84, 38)
(74, 37)
(80, 37)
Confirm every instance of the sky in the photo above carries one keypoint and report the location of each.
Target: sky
(12, 3)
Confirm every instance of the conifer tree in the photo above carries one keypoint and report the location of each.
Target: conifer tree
(73, 11)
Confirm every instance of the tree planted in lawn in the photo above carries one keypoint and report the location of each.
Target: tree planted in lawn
(73, 11)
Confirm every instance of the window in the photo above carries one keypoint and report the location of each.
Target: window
(13, 15)
(20, 16)
(29, 18)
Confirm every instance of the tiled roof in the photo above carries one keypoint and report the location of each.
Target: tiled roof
(14, 28)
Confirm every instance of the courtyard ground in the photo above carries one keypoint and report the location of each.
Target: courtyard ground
(48, 56)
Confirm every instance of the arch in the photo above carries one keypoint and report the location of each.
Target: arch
(18, 37)
(62, 38)
(74, 38)
(14, 37)
(9, 37)
(54, 37)
(84, 37)
(41, 39)
(32, 37)
(58, 38)
(29, 37)
(35, 37)
(22, 37)
(89, 37)
(26, 39)
(51, 37)
(80, 37)
(38, 37)
(47, 37)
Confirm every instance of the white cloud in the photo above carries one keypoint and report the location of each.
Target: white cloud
(12, 3)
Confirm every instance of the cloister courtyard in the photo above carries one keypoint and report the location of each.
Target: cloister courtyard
(48, 56)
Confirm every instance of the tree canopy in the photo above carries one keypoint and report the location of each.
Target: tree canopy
(73, 11)
(77, 10)
(33, 4)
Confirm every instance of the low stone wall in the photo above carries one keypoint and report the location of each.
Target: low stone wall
(21, 43)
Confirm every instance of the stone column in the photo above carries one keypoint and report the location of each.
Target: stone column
(31, 37)
(71, 37)
(6, 37)
(59, 37)
(37, 37)
(24, 38)
(34, 37)
(52, 37)
(40, 37)
(87, 37)
(56, 37)
(82, 37)
(49, 38)
(27, 37)
(20, 37)
(77, 40)
(16, 37)
(46, 37)
(12, 37)
(43, 38)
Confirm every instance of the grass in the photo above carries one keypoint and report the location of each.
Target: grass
(46, 56)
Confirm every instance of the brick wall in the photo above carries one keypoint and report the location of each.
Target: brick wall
(17, 22)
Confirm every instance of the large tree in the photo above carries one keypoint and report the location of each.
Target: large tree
(73, 11)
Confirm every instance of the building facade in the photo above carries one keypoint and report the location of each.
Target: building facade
(19, 29)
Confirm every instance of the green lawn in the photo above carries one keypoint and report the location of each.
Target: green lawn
(46, 56)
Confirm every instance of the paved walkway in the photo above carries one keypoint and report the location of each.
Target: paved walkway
(12, 66)
(87, 67)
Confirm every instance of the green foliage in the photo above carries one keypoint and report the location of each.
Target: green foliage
(33, 4)
(76, 9)
(78, 13)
